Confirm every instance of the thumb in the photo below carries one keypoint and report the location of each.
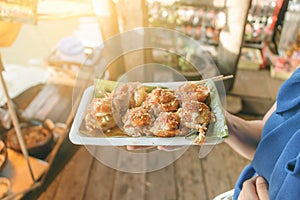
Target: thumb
(262, 188)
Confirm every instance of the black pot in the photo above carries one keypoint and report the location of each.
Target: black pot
(38, 139)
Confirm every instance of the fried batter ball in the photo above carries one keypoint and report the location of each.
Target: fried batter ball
(190, 91)
(161, 100)
(99, 115)
(137, 122)
(195, 115)
(166, 125)
(129, 95)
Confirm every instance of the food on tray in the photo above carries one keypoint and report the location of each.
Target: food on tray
(141, 110)
(167, 124)
(161, 100)
(38, 140)
(138, 122)
(132, 94)
(99, 114)
(191, 91)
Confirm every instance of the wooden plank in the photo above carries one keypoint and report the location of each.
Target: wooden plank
(63, 107)
(41, 105)
(46, 101)
(101, 178)
(24, 99)
(53, 101)
(129, 185)
(51, 190)
(161, 184)
(189, 176)
(74, 176)
(221, 169)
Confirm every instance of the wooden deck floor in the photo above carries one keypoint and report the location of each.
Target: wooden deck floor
(188, 178)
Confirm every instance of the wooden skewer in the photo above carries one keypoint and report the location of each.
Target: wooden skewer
(216, 78)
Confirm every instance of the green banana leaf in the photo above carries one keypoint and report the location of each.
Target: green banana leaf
(101, 86)
(220, 127)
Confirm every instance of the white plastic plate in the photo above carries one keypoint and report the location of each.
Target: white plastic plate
(216, 136)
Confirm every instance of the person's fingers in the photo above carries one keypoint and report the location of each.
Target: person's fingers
(262, 188)
(163, 148)
(254, 188)
(248, 191)
(131, 148)
(169, 148)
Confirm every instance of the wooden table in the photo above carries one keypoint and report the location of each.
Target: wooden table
(189, 178)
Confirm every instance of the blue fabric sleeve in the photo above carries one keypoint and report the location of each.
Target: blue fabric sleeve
(288, 94)
(285, 179)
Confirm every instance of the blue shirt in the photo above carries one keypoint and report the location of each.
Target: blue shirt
(277, 157)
